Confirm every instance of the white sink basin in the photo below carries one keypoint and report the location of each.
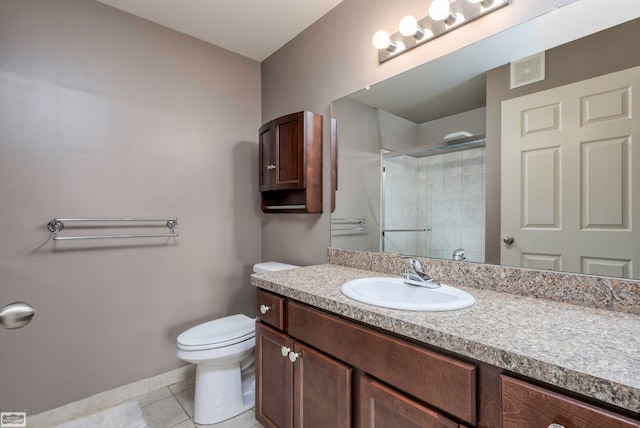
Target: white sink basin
(395, 294)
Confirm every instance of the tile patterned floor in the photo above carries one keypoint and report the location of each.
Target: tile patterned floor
(172, 407)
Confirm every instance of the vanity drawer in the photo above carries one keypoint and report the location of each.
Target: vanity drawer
(439, 381)
(525, 405)
(270, 308)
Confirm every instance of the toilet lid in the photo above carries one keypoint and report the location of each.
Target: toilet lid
(228, 330)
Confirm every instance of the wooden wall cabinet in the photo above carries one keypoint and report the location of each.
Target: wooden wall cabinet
(290, 158)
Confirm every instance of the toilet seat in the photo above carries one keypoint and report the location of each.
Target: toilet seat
(217, 333)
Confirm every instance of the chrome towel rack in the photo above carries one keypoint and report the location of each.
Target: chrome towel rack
(57, 224)
(358, 224)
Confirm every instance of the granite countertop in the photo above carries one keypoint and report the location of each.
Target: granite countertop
(593, 352)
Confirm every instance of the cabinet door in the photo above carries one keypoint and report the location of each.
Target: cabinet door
(282, 157)
(274, 378)
(322, 390)
(289, 148)
(382, 407)
(267, 147)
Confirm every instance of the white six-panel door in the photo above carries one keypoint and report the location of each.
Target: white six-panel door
(571, 177)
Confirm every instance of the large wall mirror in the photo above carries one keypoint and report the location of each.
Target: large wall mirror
(517, 149)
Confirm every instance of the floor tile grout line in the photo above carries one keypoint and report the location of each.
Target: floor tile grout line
(183, 408)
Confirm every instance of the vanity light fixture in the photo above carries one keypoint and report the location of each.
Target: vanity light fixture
(444, 16)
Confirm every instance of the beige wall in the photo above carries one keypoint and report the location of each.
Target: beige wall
(334, 57)
(105, 114)
(605, 52)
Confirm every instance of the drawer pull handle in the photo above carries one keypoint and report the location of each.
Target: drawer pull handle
(555, 426)
(285, 351)
(264, 309)
(293, 356)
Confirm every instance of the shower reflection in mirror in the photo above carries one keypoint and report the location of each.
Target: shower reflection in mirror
(421, 186)
(433, 199)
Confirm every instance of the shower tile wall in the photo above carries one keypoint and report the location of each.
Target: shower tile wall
(445, 193)
(455, 203)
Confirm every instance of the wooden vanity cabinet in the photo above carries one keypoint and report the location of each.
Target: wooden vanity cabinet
(290, 152)
(395, 383)
(296, 385)
(441, 382)
(305, 368)
(525, 405)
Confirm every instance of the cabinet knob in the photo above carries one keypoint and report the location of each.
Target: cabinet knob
(555, 426)
(285, 351)
(271, 167)
(293, 356)
(264, 309)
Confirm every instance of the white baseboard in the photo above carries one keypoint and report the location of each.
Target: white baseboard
(111, 398)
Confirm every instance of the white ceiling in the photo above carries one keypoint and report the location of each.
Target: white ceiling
(253, 28)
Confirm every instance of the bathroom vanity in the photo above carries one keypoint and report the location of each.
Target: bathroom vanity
(323, 359)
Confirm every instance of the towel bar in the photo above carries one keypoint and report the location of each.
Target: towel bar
(57, 224)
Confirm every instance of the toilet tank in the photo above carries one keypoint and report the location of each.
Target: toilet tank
(272, 267)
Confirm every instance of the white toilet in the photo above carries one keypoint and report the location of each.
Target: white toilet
(223, 351)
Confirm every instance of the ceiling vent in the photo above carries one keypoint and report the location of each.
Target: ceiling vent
(527, 70)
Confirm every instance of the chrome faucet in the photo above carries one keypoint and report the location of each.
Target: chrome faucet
(458, 255)
(417, 276)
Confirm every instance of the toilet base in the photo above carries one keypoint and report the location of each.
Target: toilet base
(222, 393)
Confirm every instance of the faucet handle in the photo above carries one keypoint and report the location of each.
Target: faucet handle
(415, 264)
(418, 268)
(458, 254)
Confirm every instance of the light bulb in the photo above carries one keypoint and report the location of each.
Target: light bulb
(381, 40)
(408, 26)
(439, 10)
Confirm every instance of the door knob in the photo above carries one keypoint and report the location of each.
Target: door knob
(508, 240)
(16, 315)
